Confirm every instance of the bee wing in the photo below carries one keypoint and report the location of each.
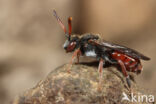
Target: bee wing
(123, 49)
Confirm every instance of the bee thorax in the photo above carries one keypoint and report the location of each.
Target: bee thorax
(90, 53)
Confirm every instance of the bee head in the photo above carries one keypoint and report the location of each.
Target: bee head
(72, 44)
(72, 40)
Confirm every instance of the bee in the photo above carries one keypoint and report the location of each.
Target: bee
(91, 45)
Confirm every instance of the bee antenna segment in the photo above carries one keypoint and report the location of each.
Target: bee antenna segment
(59, 21)
(70, 25)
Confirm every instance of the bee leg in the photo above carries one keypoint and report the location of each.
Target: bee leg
(125, 74)
(78, 57)
(73, 57)
(110, 60)
(100, 70)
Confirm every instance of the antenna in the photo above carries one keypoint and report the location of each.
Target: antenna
(70, 25)
(59, 21)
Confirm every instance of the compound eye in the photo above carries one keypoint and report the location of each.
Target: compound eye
(71, 47)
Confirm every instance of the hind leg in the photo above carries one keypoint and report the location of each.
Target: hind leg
(125, 73)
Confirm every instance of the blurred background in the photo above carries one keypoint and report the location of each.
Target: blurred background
(31, 39)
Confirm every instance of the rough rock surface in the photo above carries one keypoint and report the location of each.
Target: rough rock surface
(78, 87)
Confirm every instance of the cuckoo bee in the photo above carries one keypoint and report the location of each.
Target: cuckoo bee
(92, 45)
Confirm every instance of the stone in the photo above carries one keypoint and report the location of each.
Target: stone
(80, 86)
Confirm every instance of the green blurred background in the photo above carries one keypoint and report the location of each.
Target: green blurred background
(31, 39)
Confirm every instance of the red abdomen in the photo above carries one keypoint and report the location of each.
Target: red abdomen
(131, 64)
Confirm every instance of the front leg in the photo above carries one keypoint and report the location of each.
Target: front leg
(73, 57)
(78, 57)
